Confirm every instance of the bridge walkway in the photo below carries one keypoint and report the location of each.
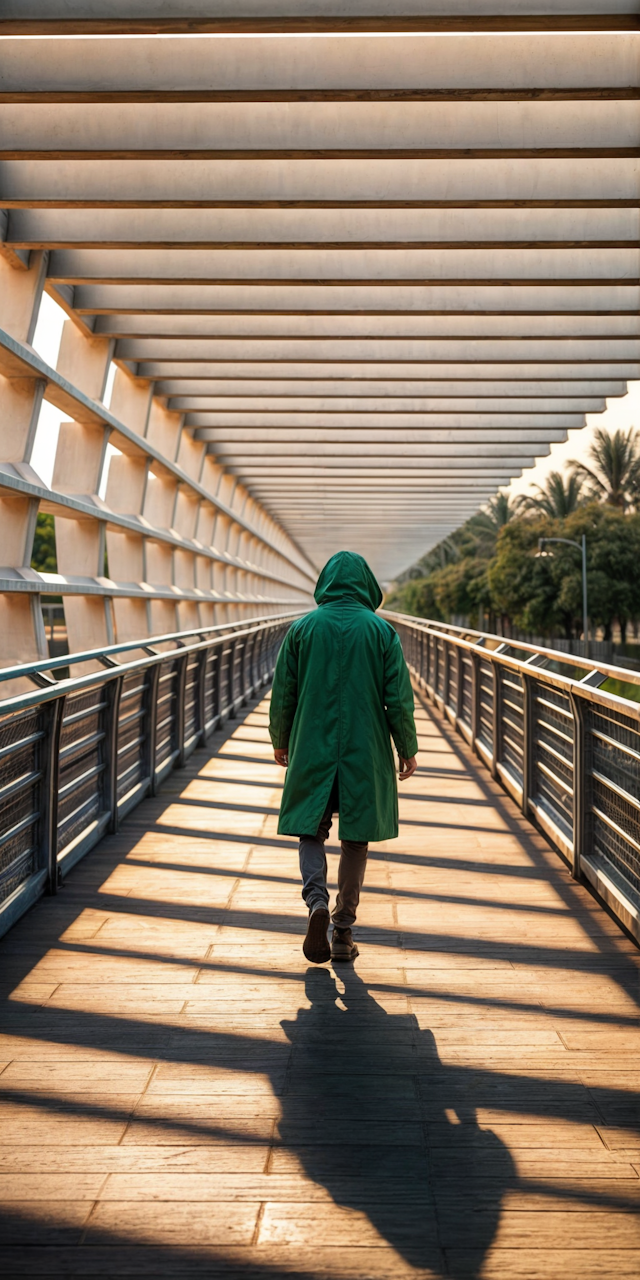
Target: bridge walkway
(181, 1094)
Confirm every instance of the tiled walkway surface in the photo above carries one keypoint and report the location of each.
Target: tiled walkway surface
(182, 1094)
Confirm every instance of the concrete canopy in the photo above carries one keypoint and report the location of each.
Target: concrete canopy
(375, 257)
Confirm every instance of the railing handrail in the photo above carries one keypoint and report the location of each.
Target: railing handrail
(84, 750)
(566, 750)
(460, 636)
(44, 665)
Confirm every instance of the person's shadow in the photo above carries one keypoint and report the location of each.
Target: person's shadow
(371, 1114)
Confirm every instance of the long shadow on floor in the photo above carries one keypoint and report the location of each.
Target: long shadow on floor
(413, 1161)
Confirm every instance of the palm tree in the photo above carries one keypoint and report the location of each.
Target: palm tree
(501, 509)
(486, 525)
(558, 497)
(614, 473)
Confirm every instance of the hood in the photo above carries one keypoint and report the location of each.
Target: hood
(348, 574)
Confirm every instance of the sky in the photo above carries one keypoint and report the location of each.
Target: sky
(621, 411)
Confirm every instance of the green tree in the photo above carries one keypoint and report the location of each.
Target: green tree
(44, 557)
(559, 497)
(544, 595)
(461, 588)
(525, 589)
(417, 598)
(613, 556)
(613, 475)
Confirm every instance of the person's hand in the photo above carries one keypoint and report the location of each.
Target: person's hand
(407, 767)
(281, 755)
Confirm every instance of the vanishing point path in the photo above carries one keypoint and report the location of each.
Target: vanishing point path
(182, 1094)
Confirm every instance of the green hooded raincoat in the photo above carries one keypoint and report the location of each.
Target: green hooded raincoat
(341, 687)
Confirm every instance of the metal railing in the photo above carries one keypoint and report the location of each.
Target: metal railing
(78, 753)
(563, 744)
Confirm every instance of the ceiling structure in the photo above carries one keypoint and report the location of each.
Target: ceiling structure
(380, 254)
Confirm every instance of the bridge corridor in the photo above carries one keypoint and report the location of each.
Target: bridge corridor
(182, 1094)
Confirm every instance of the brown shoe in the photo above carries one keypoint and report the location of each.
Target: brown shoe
(342, 945)
(316, 944)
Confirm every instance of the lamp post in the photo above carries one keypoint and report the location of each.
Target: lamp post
(582, 547)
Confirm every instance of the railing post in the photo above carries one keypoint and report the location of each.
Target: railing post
(181, 686)
(203, 663)
(527, 741)
(232, 680)
(446, 673)
(460, 683)
(49, 820)
(114, 694)
(247, 666)
(579, 785)
(475, 698)
(496, 754)
(220, 679)
(154, 681)
(257, 658)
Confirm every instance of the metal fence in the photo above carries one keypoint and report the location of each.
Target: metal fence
(76, 754)
(557, 732)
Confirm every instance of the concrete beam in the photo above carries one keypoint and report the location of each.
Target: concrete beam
(369, 424)
(364, 325)
(358, 266)
(138, 130)
(388, 184)
(327, 64)
(416, 299)
(320, 183)
(310, 228)
(329, 394)
(349, 371)
(121, 16)
(422, 351)
(333, 411)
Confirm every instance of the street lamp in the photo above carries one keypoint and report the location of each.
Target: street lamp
(582, 546)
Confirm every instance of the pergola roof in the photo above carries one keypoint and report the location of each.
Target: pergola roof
(380, 265)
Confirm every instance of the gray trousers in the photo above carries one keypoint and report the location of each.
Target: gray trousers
(313, 868)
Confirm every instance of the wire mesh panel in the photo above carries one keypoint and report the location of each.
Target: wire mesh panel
(440, 672)
(247, 664)
(265, 661)
(613, 790)
(512, 722)
(432, 663)
(211, 689)
(237, 663)
(85, 750)
(564, 748)
(191, 699)
(271, 642)
(466, 703)
(225, 677)
(82, 765)
(167, 713)
(22, 746)
(452, 691)
(424, 655)
(417, 659)
(132, 751)
(552, 757)
(486, 704)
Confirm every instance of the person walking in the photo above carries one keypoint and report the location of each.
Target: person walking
(341, 691)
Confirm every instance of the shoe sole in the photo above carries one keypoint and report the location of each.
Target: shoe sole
(344, 953)
(316, 944)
